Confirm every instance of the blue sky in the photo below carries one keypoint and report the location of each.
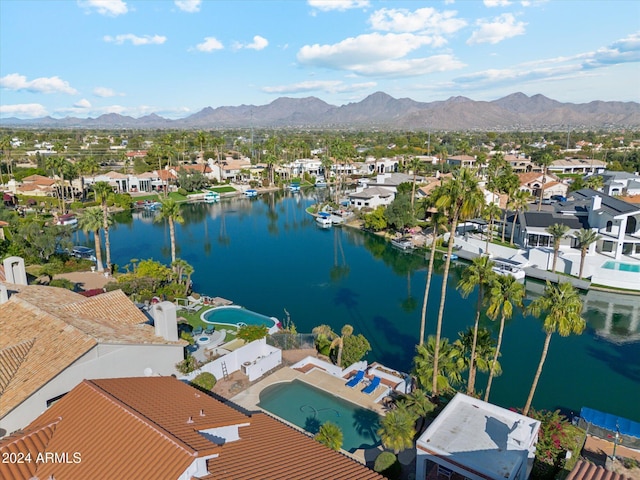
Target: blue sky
(85, 58)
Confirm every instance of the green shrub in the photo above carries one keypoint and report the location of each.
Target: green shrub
(204, 381)
(76, 205)
(183, 192)
(249, 333)
(388, 465)
(63, 283)
(187, 365)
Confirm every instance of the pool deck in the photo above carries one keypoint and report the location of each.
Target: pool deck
(250, 397)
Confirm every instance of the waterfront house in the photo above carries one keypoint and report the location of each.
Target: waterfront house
(577, 165)
(551, 185)
(36, 185)
(462, 161)
(620, 183)
(478, 441)
(380, 192)
(160, 427)
(53, 338)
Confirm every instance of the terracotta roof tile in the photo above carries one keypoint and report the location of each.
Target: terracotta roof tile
(60, 326)
(141, 426)
(30, 444)
(588, 471)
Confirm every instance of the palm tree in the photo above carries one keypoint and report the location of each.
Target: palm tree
(461, 198)
(504, 294)
(557, 231)
(170, 210)
(563, 308)
(330, 436)
(397, 430)
(480, 273)
(449, 370)
(438, 221)
(520, 203)
(58, 165)
(5, 146)
(594, 182)
(415, 165)
(484, 353)
(491, 211)
(91, 221)
(346, 331)
(543, 161)
(418, 404)
(102, 191)
(584, 239)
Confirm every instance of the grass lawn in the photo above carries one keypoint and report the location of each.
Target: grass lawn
(575, 441)
(223, 189)
(151, 196)
(193, 319)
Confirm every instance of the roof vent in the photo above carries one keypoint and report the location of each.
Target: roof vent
(202, 413)
(190, 420)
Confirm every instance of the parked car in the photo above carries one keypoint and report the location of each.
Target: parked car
(559, 198)
(547, 201)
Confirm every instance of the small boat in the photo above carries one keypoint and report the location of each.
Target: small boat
(321, 182)
(453, 256)
(67, 219)
(211, 197)
(505, 266)
(251, 193)
(84, 252)
(294, 187)
(151, 205)
(323, 219)
(403, 243)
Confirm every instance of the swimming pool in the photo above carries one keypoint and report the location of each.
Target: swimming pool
(623, 267)
(308, 407)
(237, 316)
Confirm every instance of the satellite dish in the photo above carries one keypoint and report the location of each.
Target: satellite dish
(148, 372)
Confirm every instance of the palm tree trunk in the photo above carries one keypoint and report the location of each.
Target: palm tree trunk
(443, 296)
(513, 226)
(583, 254)
(472, 364)
(413, 190)
(486, 246)
(423, 318)
(543, 357)
(495, 359)
(107, 242)
(555, 257)
(172, 235)
(96, 241)
(504, 224)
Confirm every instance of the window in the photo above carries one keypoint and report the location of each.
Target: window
(609, 225)
(607, 246)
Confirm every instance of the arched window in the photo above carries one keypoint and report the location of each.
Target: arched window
(609, 225)
(631, 225)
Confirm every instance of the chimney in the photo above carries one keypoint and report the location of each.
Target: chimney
(596, 202)
(4, 295)
(165, 320)
(14, 270)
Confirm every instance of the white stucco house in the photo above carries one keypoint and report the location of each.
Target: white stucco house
(52, 339)
(477, 440)
(620, 183)
(577, 165)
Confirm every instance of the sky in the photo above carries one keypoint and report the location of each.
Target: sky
(85, 58)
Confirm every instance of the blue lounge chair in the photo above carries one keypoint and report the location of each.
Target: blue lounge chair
(197, 331)
(372, 386)
(210, 329)
(356, 379)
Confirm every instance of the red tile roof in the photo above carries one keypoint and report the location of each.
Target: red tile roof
(150, 428)
(588, 471)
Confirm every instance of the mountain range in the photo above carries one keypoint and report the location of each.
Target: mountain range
(378, 111)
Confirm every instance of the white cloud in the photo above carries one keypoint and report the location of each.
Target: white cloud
(111, 8)
(209, 45)
(328, 86)
(189, 6)
(425, 20)
(496, 3)
(259, 43)
(497, 30)
(135, 39)
(30, 110)
(84, 103)
(377, 54)
(105, 92)
(15, 81)
(341, 5)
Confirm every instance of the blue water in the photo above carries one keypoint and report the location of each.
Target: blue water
(308, 408)
(235, 316)
(268, 255)
(623, 267)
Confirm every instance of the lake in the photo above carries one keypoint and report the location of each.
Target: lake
(268, 255)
